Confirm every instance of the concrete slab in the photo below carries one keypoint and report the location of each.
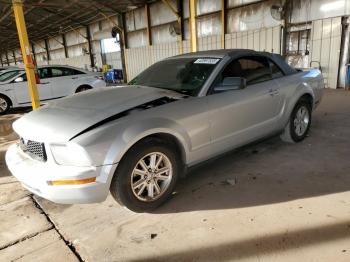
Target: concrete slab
(289, 202)
(12, 191)
(47, 246)
(20, 219)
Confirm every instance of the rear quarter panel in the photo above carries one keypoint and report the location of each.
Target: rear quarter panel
(91, 80)
(293, 87)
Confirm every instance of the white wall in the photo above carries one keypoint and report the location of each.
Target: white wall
(264, 39)
(114, 59)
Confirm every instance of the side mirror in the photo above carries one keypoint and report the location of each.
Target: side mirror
(231, 83)
(19, 79)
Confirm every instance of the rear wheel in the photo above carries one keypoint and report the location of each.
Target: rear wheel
(146, 176)
(299, 123)
(4, 104)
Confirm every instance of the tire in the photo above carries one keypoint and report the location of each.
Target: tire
(138, 199)
(83, 88)
(5, 104)
(299, 124)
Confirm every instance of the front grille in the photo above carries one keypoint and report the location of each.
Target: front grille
(34, 149)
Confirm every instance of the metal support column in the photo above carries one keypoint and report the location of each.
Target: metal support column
(178, 14)
(7, 58)
(223, 23)
(288, 8)
(148, 24)
(343, 77)
(124, 33)
(14, 57)
(47, 51)
(180, 21)
(123, 45)
(88, 37)
(64, 42)
(193, 30)
(33, 52)
(25, 47)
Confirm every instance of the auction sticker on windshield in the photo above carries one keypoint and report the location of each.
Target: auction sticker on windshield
(210, 61)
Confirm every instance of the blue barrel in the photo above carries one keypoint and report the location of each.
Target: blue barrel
(347, 82)
(114, 76)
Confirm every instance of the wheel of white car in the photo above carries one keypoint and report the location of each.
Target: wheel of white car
(146, 176)
(299, 123)
(83, 88)
(4, 104)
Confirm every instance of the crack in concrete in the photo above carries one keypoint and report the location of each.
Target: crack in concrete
(68, 243)
(25, 238)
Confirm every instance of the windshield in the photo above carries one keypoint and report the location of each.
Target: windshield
(8, 75)
(184, 75)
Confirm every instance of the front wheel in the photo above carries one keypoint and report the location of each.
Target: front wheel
(146, 176)
(299, 123)
(4, 105)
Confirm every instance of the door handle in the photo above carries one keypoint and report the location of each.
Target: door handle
(75, 77)
(273, 92)
(46, 83)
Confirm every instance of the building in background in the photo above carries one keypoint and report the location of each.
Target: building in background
(305, 31)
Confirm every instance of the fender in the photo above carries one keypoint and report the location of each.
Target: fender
(10, 95)
(131, 135)
(288, 106)
(115, 139)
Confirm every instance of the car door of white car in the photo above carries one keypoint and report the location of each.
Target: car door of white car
(64, 80)
(243, 115)
(22, 91)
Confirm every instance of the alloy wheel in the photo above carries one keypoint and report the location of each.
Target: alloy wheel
(301, 121)
(3, 104)
(151, 176)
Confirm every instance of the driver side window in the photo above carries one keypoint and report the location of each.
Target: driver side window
(253, 69)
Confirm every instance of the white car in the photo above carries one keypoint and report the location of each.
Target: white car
(7, 68)
(55, 82)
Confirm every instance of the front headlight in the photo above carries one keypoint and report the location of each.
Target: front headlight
(70, 154)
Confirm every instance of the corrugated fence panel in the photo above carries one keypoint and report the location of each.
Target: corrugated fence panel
(264, 39)
(325, 48)
(114, 59)
(256, 40)
(276, 41)
(136, 60)
(334, 52)
(209, 43)
(140, 58)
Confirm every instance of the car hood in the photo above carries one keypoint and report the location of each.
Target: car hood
(63, 119)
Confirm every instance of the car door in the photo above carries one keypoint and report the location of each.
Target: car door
(243, 115)
(64, 80)
(20, 86)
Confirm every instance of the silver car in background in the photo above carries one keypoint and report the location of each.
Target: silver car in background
(136, 141)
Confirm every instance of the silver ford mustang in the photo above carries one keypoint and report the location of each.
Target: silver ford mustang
(136, 141)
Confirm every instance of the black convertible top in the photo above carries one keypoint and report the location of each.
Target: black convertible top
(236, 53)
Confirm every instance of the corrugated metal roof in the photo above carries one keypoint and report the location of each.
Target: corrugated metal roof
(45, 18)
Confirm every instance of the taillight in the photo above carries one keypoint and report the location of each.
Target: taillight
(99, 77)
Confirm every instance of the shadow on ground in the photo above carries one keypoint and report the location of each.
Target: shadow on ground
(265, 245)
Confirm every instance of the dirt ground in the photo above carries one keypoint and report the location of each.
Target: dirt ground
(270, 201)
